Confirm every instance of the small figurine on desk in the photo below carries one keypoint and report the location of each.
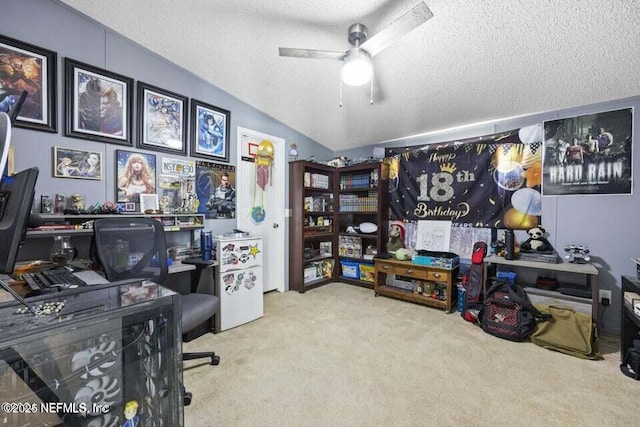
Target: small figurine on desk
(77, 202)
(396, 237)
(536, 241)
(45, 205)
(132, 419)
(60, 203)
(293, 152)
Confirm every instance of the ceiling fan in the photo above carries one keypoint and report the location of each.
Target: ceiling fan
(358, 69)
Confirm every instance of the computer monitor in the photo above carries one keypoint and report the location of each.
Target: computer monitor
(16, 199)
(7, 120)
(5, 140)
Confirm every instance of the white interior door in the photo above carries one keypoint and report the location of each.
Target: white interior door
(248, 195)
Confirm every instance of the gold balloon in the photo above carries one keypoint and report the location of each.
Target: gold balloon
(533, 175)
(508, 153)
(517, 220)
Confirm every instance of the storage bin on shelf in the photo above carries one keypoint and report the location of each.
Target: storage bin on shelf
(367, 272)
(350, 269)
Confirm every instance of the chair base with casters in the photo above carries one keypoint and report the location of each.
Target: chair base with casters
(196, 310)
(215, 360)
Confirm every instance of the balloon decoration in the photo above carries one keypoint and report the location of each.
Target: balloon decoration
(264, 163)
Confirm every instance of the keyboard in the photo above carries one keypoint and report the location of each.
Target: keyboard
(51, 279)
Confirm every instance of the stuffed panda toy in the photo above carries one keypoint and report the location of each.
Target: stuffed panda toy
(536, 241)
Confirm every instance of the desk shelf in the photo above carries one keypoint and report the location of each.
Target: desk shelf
(547, 296)
(172, 223)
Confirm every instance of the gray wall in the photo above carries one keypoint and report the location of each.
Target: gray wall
(55, 26)
(608, 225)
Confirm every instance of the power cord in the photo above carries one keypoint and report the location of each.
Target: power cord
(604, 303)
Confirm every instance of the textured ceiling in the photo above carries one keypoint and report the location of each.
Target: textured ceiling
(475, 60)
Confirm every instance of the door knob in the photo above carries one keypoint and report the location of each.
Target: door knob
(276, 225)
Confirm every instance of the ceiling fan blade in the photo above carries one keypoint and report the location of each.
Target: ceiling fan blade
(398, 28)
(309, 53)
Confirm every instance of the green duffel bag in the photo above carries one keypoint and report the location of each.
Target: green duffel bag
(568, 331)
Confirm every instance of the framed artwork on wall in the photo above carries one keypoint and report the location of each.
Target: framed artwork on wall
(135, 175)
(209, 131)
(80, 164)
(27, 67)
(98, 104)
(148, 203)
(162, 120)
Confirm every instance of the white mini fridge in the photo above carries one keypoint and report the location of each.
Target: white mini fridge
(239, 283)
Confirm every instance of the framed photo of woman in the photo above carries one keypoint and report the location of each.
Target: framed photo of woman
(98, 104)
(80, 164)
(162, 120)
(27, 67)
(136, 174)
(209, 131)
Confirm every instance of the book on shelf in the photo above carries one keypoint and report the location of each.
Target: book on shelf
(551, 258)
(53, 227)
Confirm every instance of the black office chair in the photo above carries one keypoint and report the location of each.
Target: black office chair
(129, 248)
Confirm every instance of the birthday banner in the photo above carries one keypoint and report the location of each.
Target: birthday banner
(491, 181)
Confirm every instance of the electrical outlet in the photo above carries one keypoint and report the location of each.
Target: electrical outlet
(604, 293)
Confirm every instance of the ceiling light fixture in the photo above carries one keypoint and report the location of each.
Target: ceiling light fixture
(357, 69)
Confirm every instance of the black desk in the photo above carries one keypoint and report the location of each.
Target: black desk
(202, 280)
(109, 344)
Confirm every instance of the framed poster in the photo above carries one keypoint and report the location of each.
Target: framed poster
(209, 131)
(98, 104)
(148, 203)
(589, 154)
(136, 174)
(27, 67)
(162, 120)
(80, 164)
(215, 188)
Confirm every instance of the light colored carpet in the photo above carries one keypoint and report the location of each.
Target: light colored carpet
(338, 356)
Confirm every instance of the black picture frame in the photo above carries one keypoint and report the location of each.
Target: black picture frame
(162, 119)
(210, 127)
(33, 69)
(78, 164)
(98, 104)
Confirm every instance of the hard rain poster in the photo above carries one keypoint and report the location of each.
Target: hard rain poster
(589, 154)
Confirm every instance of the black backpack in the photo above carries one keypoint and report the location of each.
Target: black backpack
(507, 311)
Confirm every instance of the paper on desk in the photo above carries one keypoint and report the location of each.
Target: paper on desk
(90, 277)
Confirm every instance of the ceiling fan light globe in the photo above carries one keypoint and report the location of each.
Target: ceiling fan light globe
(357, 69)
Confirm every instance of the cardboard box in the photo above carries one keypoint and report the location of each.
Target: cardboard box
(400, 282)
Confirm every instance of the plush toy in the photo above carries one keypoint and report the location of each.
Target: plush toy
(396, 237)
(536, 241)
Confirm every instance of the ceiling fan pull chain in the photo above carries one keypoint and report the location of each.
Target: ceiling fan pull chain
(371, 92)
(340, 89)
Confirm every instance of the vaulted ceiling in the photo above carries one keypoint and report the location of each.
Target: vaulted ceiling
(475, 60)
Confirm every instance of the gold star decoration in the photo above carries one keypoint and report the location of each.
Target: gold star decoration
(253, 250)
